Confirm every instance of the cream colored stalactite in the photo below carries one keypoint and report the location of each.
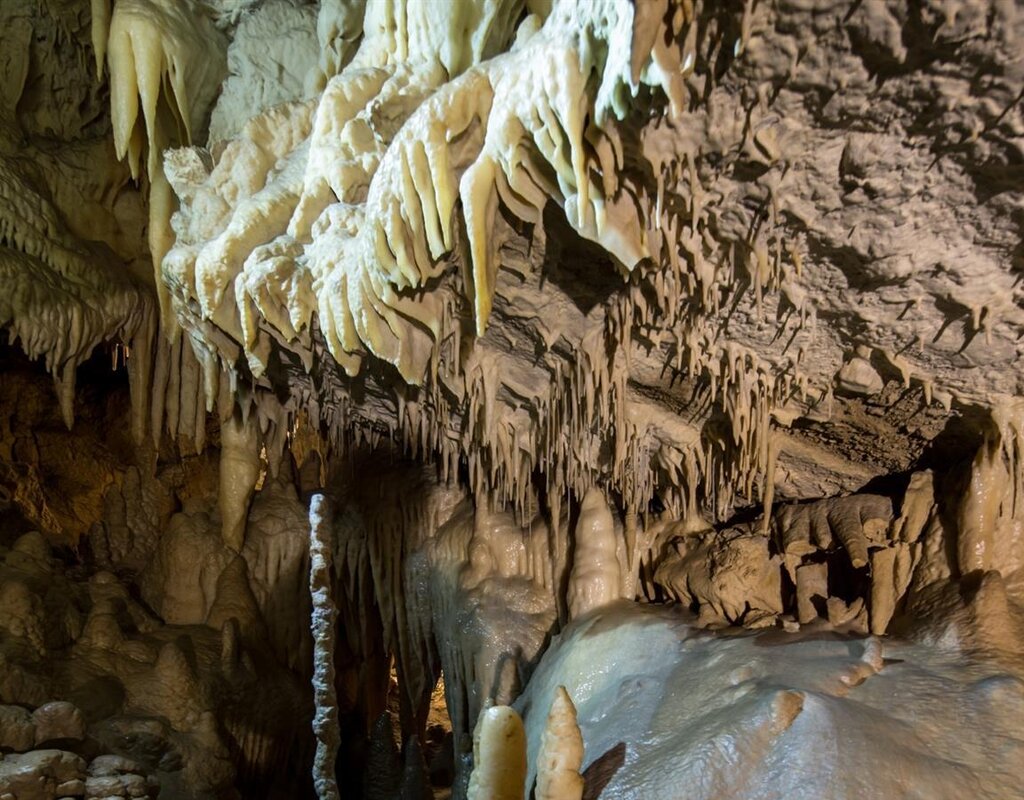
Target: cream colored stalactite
(595, 579)
(458, 35)
(499, 756)
(339, 28)
(220, 261)
(153, 41)
(541, 102)
(561, 752)
(165, 399)
(343, 152)
(456, 145)
(100, 32)
(981, 507)
(65, 384)
(167, 57)
(411, 202)
(239, 470)
(388, 254)
(162, 205)
(991, 513)
(348, 139)
(140, 374)
(188, 421)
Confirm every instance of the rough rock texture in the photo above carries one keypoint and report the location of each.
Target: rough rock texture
(565, 305)
(764, 199)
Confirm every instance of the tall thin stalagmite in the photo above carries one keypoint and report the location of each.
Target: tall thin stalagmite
(323, 622)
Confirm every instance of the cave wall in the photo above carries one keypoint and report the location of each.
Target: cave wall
(564, 310)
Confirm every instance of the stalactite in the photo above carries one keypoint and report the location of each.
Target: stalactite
(239, 470)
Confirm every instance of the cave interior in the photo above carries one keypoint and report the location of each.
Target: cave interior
(511, 399)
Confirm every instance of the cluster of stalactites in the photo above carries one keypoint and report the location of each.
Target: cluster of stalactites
(343, 219)
(167, 60)
(414, 555)
(396, 556)
(365, 215)
(350, 215)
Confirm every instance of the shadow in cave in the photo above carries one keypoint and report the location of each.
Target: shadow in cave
(600, 772)
(580, 268)
(957, 441)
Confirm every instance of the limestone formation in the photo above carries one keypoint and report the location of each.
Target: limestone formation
(561, 753)
(499, 756)
(661, 361)
(323, 624)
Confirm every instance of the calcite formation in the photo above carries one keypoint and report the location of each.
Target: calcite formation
(561, 753)
(511, 398)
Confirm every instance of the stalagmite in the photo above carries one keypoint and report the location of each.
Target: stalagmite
(415, 781)
(561, 753)
(239, 470)
(499, 756)
(883, 589)
(236, 602)
(811, 591)
(383, 777)
(595, 577)
(323, 624)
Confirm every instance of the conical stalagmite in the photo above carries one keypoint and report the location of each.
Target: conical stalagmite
(415, 780)
(595, 579)
(561, 753)
(499, 756)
